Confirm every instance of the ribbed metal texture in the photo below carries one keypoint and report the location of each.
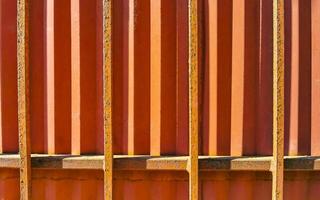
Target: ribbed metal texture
(150, 94)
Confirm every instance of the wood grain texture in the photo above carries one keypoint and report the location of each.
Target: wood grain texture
(107, 97)
(278, 99)
(193, 100)
(23, 97)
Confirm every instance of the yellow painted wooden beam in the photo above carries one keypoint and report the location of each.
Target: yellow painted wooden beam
(107, 97)
(23, 97)
(193, 101)
(278, 100)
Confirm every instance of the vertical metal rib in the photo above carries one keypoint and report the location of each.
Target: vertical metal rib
(278, 99)
(193, 100)
(107, 97)
(23, 97)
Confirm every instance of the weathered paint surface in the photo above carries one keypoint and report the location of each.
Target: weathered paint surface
(217, 141)
(150, 102)
(159, 185)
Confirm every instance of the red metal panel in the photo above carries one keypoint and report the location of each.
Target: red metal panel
(163, 77)
(79, 184)
(298, 76)
(237, 78)
(182, 100)
(9, 184)
(150, 94)
(8, 77)
(315, 76)
(167, 117)
(58, 76)
(37, 77)
(132, 79)
(84, 84)
(217, 77)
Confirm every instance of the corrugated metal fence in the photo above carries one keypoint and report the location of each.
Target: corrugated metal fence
(188, 78)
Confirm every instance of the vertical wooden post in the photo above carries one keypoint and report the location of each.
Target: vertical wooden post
(278, 99)
(23, 97)
(107, 97)
(193, 100)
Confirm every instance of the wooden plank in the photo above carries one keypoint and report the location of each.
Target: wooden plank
(9, 161)
(23, 97)
(278, 99)
(107, 97)
(174, 163)
(207, 163)
(193, 100)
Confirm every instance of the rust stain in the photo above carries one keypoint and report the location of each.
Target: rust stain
(193, 100)
(107, 97)
(23, 97)
(278, 99)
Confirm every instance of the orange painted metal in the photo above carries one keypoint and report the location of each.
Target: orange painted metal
(150, 93)
(88, 184)
(8, 77)
(315, 76)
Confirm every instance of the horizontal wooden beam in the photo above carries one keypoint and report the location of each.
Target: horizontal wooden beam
(173, 163)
